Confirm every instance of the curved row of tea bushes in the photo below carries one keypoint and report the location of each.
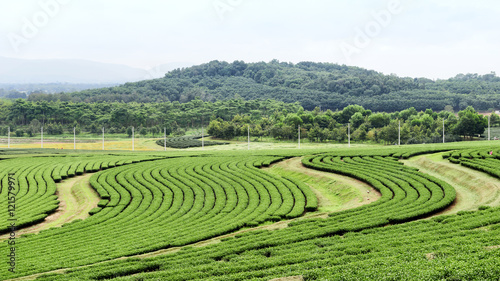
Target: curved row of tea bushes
(187, 141)
(406, 193)
(484, 160)
(456, 247)
(357, 244)
(35, 183)
(166, 203)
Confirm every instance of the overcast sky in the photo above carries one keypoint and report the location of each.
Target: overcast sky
(416, 38)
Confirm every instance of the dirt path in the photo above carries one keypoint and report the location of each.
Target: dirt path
(334, 192)
(473, 188)
(76, 198)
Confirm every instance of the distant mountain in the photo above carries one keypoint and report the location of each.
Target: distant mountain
(22, 71)
(13, 90)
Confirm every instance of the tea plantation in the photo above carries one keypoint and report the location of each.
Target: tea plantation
(157, 210)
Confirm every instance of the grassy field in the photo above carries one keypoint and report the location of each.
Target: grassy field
(83, 144)
(335, 192)
(123, 142)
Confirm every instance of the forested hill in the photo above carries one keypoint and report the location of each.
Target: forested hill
(330, 86)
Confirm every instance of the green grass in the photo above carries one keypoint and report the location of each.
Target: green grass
(335, 191)
(474, 188)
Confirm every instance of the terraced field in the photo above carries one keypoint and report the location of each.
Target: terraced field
(153, 203)
(187, 141)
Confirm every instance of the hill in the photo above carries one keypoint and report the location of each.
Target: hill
(330, 86)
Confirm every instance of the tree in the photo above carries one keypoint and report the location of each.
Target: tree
(348, 112)
(54, 129)
(449, 108)
(228, 130)
(34, 127)
(357, 119)
(93, 129)
(390, 132)
(121, 116)
(256, 131)
(405, 114)
(179, 132)
(77, 128)
(379, 120)
(215, 129)
(293, 120)
(494, 120)
(153, 131)
(314, 134)
(112, 130)
(360, 133)
(322, 120)
(470, 123)
(427, 120)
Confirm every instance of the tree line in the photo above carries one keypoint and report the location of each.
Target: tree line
(231, 119)
(361, 124)
(58, 117)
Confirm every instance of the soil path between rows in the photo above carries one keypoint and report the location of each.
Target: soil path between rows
(474, 188)
(76, 198)
(334, 192)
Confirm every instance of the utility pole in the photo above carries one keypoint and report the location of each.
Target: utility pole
(8, 138)
(74, 138)
(165, 138)
(133, 138)
(42, 138)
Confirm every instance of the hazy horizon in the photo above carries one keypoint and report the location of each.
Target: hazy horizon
(405, 37)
